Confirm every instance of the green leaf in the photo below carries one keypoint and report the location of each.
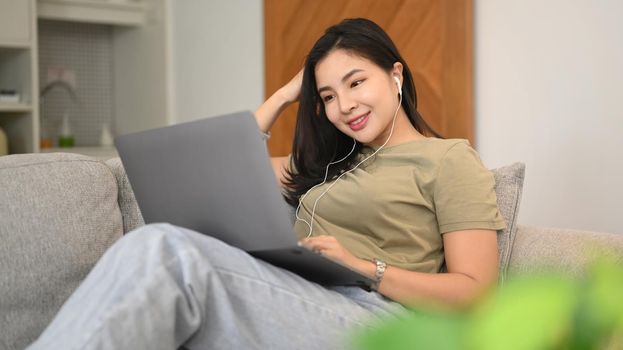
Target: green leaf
(418, 330)
(600, 314)
(529, 313)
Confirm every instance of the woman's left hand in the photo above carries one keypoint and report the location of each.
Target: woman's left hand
(329, 246)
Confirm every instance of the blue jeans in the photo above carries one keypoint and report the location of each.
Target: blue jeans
(161, 287)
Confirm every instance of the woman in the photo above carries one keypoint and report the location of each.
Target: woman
(371, 190)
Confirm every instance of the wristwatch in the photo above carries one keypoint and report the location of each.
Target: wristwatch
(378, 274)
(265, 135)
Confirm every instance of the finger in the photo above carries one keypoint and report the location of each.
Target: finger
(317, 245)
(323, 238)
(309, 243)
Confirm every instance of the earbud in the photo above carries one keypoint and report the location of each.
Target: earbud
(398, 84)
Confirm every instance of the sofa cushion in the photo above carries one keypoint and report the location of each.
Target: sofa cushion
(508, 188)
(58, 214)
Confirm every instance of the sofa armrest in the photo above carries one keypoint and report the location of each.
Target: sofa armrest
(130, 211)
(569, 251)
(58, 215)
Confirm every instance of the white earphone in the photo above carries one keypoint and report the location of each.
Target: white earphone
(399, 85)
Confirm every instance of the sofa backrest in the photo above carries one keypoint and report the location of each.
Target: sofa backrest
(572, 252)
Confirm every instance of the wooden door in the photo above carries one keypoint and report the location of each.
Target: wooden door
(433, 36)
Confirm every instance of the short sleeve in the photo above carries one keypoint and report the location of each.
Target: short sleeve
(464, 195)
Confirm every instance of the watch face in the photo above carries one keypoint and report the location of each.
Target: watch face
(380, 269)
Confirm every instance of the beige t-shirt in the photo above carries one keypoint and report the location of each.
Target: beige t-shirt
(396, 206)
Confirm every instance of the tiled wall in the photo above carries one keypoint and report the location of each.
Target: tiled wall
(85, 50)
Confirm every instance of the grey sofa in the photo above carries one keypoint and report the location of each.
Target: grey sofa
(59, 212)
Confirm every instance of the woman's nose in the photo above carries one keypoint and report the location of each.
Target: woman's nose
(347, 104)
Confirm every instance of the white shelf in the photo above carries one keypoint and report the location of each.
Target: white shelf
(114, 12)
(15, 107)
(14, 44)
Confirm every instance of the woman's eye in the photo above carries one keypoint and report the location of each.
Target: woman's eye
(327, 98)
(356, 83)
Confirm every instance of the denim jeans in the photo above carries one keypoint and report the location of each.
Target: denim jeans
(163, 287)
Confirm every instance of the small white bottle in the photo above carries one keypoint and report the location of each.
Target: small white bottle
(65, 139)
(106, 139)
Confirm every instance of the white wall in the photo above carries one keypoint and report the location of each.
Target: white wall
(548, 93)
(218, 57)
(140, 90)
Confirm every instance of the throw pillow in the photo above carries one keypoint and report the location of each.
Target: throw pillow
(508, 187)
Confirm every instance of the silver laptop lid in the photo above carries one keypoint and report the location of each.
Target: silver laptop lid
(211, 175)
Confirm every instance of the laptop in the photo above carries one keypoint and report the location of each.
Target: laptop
(214, 176)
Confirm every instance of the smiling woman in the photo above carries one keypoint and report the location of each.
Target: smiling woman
(362, 150)
(373, 191)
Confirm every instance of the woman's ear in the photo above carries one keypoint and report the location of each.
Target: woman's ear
(397, 71)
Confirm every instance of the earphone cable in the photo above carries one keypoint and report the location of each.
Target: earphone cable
(326, 173)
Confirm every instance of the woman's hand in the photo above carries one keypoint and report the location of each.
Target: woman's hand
(331, 247)
(270, 110)
(292, 90)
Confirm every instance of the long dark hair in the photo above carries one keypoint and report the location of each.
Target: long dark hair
(317, 142)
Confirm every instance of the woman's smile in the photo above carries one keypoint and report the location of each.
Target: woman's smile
(359, 122)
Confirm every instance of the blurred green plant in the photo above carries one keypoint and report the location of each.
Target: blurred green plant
(545, 311)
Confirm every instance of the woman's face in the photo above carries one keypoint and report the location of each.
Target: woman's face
(359, 97)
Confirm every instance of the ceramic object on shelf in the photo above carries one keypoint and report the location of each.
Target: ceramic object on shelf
(106, 138)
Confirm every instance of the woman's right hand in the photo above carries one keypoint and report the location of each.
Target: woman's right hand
(292, 90)
(270, 110)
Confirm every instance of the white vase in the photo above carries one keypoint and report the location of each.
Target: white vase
(106, 138)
